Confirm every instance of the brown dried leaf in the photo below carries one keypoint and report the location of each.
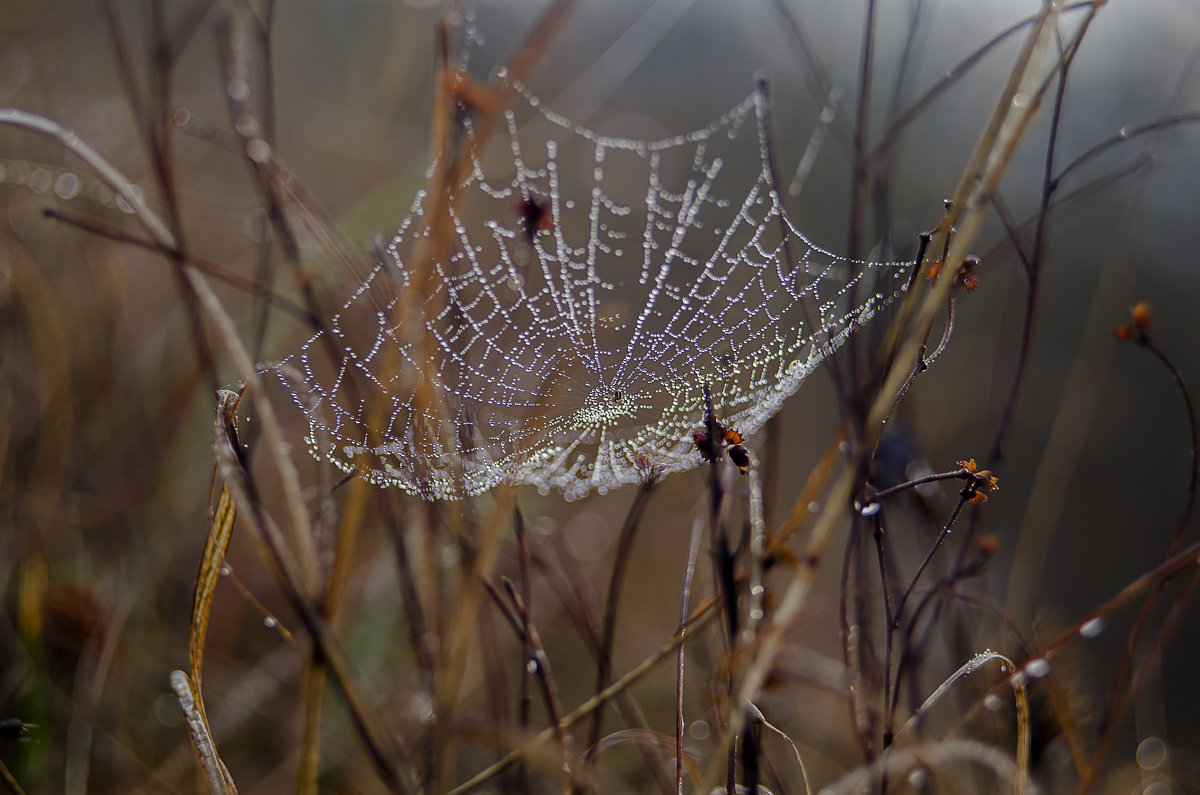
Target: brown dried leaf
(215, 772)
(219, 533)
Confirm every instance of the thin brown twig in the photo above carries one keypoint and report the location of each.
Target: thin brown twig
(545, 676)
(1118, 700)
(208, 267)
(608, 632)
(699, 619)
(951, 475)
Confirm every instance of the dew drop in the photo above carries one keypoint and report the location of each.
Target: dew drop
(993, 702)
(870, 509)
(1037, 668)
(66, 186)
(1151, 753)
(238, 89)
(258, 150)
(245, 124)
(1091, 628)
(269, 622)
(40, 180)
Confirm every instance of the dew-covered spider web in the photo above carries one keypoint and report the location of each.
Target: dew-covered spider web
(594, 286)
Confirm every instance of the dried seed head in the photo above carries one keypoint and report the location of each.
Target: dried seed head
(988, 545)
(740, 457)
(1141, 314)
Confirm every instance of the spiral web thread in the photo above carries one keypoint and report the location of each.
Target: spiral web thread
(595, 286)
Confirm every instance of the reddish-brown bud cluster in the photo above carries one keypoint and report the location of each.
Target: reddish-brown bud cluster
(728, 440)
(964, 277)
(650, 471)
(1140, 318)
(978, 481)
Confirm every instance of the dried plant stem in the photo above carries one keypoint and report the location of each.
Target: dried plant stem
(899, 613)
(858, 186)
(219, 780)
(693, 553)
(951, 475)
(545, 676)
(608, 632)
(11, 782)
(1020, 696)
(701, 618)
(940, 752)
(1095, 765)
(207, 267)
(991, 156)
(1119, 699)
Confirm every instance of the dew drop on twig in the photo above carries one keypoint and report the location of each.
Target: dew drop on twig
(1091, 628)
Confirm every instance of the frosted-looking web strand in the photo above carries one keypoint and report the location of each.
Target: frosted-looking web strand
(569, 354)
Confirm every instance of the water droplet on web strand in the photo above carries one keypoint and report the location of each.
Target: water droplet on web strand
(66, 186)
(40, 180)
(870, 509)
(993, 702)
(269, 622)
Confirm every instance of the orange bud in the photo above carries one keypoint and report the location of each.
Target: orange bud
(1141, 314)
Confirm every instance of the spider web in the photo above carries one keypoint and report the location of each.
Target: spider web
(596, 286)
